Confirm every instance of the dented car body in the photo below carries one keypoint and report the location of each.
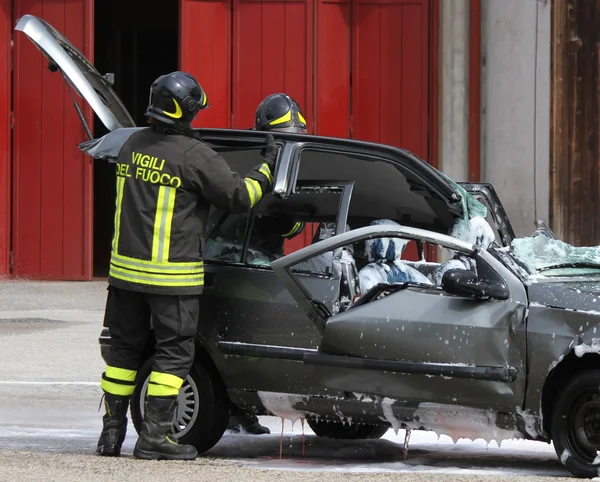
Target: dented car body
(506, 351)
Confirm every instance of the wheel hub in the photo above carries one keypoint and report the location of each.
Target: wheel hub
(187, 406)
(587, 424)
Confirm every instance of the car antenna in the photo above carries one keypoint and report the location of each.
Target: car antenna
(53, 68)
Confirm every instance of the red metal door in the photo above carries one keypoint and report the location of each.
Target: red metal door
(5, 134)
(52, 188)
(332, 72)
(205, 52)
(390, 98)
(272, 52)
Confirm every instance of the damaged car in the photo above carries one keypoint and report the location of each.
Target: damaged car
(497, 342)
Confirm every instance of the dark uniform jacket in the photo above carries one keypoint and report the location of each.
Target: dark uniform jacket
(165, 187)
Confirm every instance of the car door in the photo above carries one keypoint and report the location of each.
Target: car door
(251, 317)
(418, 343)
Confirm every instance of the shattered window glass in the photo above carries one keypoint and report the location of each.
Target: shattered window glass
(543, 255)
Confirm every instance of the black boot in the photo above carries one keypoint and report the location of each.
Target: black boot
(249, 423)
(155, 442)
(114, 425)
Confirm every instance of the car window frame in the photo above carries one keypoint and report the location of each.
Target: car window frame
(342, 218)
(369, 153)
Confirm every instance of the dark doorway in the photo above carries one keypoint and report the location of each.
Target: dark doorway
(137, 40)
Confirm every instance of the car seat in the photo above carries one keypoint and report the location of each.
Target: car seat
(350, 286)
(385, 264)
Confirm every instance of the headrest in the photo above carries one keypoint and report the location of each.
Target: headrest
(325, 231)
(385, 249)
(476, 231)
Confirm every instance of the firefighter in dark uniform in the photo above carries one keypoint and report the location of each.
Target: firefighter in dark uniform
(167, 179)
(278, 113)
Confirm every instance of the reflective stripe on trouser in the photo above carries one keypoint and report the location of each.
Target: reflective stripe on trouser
(164, 385)
(118, 381)
(175, 320)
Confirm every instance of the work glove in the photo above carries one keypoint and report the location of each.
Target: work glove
(270, 152)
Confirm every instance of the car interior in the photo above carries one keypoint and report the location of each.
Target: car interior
(399, 197)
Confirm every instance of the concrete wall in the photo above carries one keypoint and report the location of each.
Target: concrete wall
(454, 82)
(516, 107)
(515, 102)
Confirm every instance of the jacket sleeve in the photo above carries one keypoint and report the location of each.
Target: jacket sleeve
(208, 173)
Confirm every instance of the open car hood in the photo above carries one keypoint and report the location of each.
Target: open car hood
(77, 71)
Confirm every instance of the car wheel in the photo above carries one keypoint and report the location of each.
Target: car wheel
(576, 425)
(352, 431)
(202, 413)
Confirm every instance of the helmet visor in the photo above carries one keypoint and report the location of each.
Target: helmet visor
(292, 130)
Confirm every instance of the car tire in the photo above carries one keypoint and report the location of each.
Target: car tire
(575, 426)
(352, 431)
(202, 420)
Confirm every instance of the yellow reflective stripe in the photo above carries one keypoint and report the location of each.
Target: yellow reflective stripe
(294, 230)
(117, 388)
(160, 267)
(254, 190)
(205, 100)
(161, 240)
(156, 279)
(161, 391)
(301, 118)
(266, 170)
(177, 114)
(166, 379)
(157, 222)
(163, 271)
(119, 202)
(284, 118)
(120, 374)
(166, 233)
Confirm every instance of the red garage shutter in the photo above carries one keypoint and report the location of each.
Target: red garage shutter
(391, 73)
(272, 52)
(5, 134)
(52, 211)
(332, 60)
(205, 52)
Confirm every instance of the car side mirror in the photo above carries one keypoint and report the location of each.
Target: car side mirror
(465, 283)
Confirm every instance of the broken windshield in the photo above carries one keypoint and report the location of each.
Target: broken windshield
(540, 254)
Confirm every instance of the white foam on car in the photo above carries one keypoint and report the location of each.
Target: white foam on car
(282, 405)
(583, 348)
(454, 421)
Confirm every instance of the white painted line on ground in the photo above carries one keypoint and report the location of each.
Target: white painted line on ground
(14, 382)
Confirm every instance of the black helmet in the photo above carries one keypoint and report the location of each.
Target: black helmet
(279, 112)
(176, 98)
